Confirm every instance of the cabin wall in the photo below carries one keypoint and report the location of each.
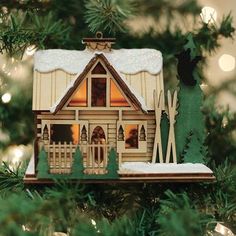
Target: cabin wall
(110, 119)
(145, 84)
(49, 87)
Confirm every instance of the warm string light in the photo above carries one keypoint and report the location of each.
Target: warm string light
(227, 62)
(223, 230)
(30, 50)
(6, 97)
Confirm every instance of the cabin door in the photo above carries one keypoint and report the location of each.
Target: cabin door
(98, 139)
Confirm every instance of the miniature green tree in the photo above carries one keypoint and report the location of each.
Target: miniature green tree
(112, 166)
(190, 99)
(43, 167)
(193, 152)
(77, 170)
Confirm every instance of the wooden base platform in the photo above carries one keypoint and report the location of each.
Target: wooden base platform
(137, 178)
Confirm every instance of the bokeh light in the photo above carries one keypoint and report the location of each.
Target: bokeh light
(6, 97)
(227, 62)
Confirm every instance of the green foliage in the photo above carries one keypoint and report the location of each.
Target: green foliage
(179, 217)
(164, 133)
(77, 170)
(190, 118)
(20, 130)
(221, 124)
(107, 15)
(43, 166)
(209, 34)
(189, 114)
(193, 150)
(18, 31)
(10, 180)
(168, 8)
(112, 165)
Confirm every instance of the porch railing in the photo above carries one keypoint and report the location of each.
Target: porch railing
(60, 157)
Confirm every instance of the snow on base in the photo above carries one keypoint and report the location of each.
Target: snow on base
(165, 168)
(30, 169)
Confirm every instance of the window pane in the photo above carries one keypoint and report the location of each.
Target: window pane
(98, 92)
(99, 69)
(65, 133)
(79, 99)
(116, 97)
(131, 136)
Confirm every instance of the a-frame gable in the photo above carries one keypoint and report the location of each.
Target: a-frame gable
(122, 85)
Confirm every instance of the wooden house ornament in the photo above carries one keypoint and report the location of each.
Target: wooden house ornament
(99, 115)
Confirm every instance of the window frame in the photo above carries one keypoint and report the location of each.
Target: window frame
(142, 145)
(64, 122)
(108, 106)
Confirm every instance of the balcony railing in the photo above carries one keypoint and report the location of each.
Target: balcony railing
(60, 157)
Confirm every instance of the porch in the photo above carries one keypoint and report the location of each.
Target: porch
(61, 157)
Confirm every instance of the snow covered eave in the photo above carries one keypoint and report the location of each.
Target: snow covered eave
(127, 61)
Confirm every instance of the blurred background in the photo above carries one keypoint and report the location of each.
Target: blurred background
(30, 25)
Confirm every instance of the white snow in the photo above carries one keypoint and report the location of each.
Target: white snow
(165, 168)
(30, 169)
(127, 61)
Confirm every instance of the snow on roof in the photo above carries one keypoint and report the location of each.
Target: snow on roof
(127, 61)
(165, 168)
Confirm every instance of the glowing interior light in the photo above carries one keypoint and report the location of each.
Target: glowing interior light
(208, 15)
(227, 62)
(6, 97)
(30, 50)
(93, 222)
(18, 152)
(223, 230)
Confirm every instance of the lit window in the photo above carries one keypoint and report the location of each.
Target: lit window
(79, 99)
(65, 133)
(131, 136)
(116, 97)
(98, 90)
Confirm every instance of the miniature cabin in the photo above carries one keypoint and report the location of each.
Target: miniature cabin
(98, 99)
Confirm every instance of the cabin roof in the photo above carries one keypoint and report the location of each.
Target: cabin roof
(127, 61)
(134, 97)
(56, 71)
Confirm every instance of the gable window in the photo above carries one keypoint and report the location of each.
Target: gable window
(80, 97)
(98, 91)
(116, 97)
(131, 136)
